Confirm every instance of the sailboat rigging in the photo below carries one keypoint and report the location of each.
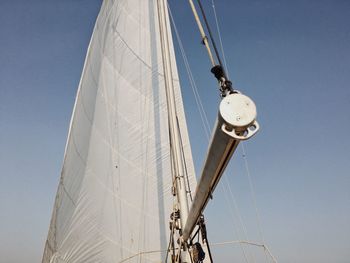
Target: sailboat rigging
(128, 163)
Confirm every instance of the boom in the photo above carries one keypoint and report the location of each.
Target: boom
(235, 122)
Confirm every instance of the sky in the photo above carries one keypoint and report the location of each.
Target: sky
(291, 57)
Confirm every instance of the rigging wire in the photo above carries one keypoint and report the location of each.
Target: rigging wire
(210, 34)
(232, 212)
(248, 243)
(171, 245)
(225, 85)
(252, 191)
(220, 38)
(203, 35)
(242, 145)
(205, 122)
(188, 190)
(227, 187)
(203, 115)
(204, 119)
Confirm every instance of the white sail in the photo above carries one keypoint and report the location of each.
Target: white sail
(114, 197)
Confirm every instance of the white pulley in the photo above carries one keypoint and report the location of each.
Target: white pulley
(238, 114)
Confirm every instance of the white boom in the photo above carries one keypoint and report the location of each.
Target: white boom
(235, 122)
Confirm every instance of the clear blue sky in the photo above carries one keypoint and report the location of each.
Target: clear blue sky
(291, 57)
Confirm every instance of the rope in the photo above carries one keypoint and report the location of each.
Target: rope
(233, 200)
(238, 242)
(232, 215)
(171, 239)
(210, 34)
(206, 128)
(248, 243)
(203, 115)
(220, 38)
(243, 149)
(201, 30)
(188, 190)
(252, 194)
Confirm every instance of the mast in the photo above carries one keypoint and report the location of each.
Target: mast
(174, 132)
(176, 154)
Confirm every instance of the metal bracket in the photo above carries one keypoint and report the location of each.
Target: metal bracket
(241, 135)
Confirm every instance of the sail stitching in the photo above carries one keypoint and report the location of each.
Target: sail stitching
(127, 45)
(114, 108)
(136, 55)
(120, 155)
(120, 198)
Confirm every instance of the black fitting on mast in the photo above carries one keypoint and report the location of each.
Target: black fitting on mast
(217, 70)
(225, 84)
(203, 228)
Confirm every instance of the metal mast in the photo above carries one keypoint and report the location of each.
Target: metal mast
(176, 154)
